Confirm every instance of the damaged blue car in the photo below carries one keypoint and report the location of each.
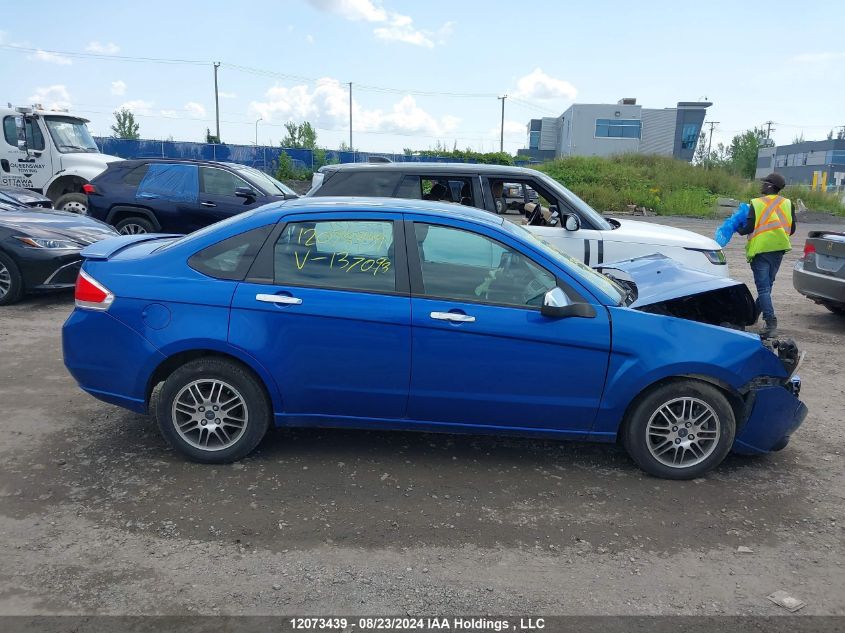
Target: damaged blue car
(409, 315)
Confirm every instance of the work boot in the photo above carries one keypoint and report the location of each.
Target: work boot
(771, 328)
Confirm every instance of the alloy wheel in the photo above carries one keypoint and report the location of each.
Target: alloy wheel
(5, 280)
(132, 229)
(209, 414)
(683, 432)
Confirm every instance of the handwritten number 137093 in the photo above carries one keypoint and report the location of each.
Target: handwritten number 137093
(345, 262)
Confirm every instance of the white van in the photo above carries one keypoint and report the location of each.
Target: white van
(51, 152)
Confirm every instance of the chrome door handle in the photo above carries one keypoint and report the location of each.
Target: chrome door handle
(455, 317)
(208, 204)
(284, 299)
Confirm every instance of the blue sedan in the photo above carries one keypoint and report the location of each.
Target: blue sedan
(408, 315)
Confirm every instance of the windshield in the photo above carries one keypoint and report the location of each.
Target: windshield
(70, 135)
(273, 186)
(584, 209)
(583, 272)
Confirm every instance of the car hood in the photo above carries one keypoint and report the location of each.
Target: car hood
(662, 285)
(635, 232)
(87, 160)
(52, 223)
(25, 197)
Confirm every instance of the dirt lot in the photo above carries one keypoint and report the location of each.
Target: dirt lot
(97, 515)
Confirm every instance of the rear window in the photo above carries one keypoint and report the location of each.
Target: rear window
(231, 258)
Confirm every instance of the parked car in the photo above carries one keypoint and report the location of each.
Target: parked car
(391, 314)
(25, 197)
(576, 229)
(820, 274)
(177, 196)
(39, 248)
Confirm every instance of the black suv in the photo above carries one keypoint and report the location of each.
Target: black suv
(177, 196)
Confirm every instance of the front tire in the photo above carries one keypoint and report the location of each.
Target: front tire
(73, 203)
(680, 430)
(11, 283)
(213, 411)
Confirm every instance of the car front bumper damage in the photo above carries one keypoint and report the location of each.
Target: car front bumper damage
(776, 412)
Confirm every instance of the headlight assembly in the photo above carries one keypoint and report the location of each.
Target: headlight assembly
(714, 257)
(41, 242)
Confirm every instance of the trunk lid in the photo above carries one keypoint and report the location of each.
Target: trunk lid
(110, 248)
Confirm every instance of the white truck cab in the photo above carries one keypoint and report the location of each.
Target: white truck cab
(51, 152)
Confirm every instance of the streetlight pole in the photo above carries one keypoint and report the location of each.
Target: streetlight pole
(256, 129)
(350, 116)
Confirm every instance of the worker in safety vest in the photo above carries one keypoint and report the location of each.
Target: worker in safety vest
(769, 224)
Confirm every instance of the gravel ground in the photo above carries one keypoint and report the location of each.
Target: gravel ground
(98, 516)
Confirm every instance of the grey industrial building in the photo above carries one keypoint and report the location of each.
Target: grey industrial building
(624, 127)
(812, 162)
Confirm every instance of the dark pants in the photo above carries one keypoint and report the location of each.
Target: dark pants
(765, 267)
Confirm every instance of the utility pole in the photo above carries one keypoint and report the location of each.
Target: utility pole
(216, 100)
(712, 124)
(256, 129)
(769, 128)
(350, 116)
(502, 129)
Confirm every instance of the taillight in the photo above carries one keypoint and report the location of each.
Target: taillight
(809, 249)
(91, 294)
(89, 189)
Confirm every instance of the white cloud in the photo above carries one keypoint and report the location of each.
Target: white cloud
(393, 27)
(170, 114)
(309, 38)
(137, 106)
(539, 85)
(515, 127)
(356, 10)
(227, 95)
(54, 97)
(51, 58)
(818, 58)
(118, 87)
(194, 109)
(104, 49)
(326, 106)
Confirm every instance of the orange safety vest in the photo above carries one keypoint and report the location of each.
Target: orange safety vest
(772, 223)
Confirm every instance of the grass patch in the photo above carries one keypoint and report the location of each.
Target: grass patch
(669, 186)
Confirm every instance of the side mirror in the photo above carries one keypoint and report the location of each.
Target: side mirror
(557, 305)
(22, 146)
(245, 192)
(571, 222)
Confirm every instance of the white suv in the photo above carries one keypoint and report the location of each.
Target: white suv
(562, 218)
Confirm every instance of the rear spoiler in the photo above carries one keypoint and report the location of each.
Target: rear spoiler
(104, 249)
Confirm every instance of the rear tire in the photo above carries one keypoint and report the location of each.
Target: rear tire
(213, 411)
(680, 430)
(11, 282)
(134, 225)
(73, 203)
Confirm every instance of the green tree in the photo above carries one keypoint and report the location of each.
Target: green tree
(300, 136)
(700, 157)
(211, 138)
(124, 125)
(743, 152)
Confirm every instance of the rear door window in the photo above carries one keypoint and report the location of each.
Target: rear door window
(342, 255)
(134, 176)
(168, 181)
(438, 188)
(360, 183)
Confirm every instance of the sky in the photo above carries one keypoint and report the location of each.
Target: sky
(423, 73)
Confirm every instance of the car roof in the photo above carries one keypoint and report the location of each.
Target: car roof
(134, 162)
(432, 167)
(353, 204)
